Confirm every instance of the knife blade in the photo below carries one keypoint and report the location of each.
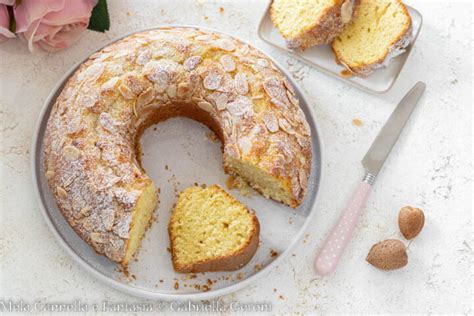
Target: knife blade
(388, 135)
(340, 235)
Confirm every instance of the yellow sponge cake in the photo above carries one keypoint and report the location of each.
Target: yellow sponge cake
(211, 231)
(380, 31)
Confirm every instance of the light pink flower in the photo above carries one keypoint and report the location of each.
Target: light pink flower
(5, 33)
(52, 24)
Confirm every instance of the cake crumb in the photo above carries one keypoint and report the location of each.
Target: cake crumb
(221, 10)
(346, 73)
(273, 253)
(176, 285)
(212, 137)
(357, 122)
(206, 17)
(281, 297)
(258, 266)
(274, 289)
(205, 288)
(236, 182)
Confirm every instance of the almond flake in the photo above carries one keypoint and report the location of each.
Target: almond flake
(240, 106)
(274, 88)
(286, 126)
(126, 92)
(240, 84)
(206, 106)
(212, 81)
(183, 90)
(61, 193)
(191, 62)
(110, 84)
(144, 57)
(303, 177)
(49, 174)
(100, 238)
(71, 153)
(232, 150)
(219, 99)
(227, 63)
(145, 97)
(225, 44)
(271, 122)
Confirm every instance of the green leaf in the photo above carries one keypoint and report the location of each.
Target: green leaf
(99, 20)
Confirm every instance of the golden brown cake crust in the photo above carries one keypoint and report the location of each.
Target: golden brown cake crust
(229, 262)
(396, 48)
(90, 143)
(324, 31)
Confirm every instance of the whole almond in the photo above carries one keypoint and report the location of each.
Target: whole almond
(410, 221)
(389, 254)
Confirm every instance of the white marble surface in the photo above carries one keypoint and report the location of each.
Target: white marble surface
(431, 167)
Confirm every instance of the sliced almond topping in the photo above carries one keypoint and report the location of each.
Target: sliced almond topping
(206, 106)
(145, 97)
(286, 126)
(240, 83)
(110, 84)
(191, 62)
(271, 122)
(227, 63)
(240, 106)
(126, 92)
(183, 90)
(219, 99)
(71, 153)
(303, 177)
(225, 44)
(61, 192)
(212, 81)
(232, 150)
(99, 238)
(144, 57)
(292, 98)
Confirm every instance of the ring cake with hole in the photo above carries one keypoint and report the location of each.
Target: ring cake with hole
(91, 144)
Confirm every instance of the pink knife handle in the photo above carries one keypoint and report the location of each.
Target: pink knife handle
(329, 255)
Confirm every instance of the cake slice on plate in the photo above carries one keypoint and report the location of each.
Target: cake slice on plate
(305, 23)
(211, 231)
(380, 31)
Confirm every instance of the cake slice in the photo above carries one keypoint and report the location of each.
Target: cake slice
(380, 31)
(211, 231)
(305, 23)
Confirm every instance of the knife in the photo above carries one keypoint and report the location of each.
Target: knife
(339, 237)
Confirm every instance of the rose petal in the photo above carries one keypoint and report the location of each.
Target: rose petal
(5, 33)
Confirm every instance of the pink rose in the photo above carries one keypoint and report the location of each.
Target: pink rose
(52, 24)
(5, 33)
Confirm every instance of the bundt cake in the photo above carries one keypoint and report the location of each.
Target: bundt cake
(211, 231)
(92, 135)
(305, 23)
(380, 31)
